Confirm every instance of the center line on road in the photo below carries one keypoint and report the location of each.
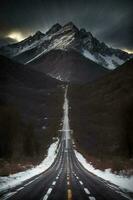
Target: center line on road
(69, 194)
(92, 198)
(68, 183)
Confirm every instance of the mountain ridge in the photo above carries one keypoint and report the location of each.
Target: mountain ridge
(68, 66)
(66, 37)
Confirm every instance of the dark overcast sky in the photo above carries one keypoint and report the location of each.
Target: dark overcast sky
(108, 20)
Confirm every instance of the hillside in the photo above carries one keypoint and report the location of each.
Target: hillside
(30, 115)
(101, 116)
(69, 66)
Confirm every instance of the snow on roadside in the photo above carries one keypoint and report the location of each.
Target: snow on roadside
(16, 179)
(119, 180)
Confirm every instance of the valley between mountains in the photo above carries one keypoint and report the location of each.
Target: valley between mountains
(66, 118)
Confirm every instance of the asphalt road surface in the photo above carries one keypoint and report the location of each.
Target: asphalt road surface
(66, 179)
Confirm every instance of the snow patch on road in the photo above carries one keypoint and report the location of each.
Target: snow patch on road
(119, 180)
(18, 178)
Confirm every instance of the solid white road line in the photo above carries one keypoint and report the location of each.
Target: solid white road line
(12, 193)
(8, 195)
(29, 183)
(20, 189)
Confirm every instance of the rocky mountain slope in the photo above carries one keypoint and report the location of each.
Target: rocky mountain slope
(101, 117)
(30, 115)
(65, 38)
(4, 41)
(68, 66)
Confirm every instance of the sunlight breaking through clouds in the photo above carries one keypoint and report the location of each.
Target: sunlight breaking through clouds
(16, 35)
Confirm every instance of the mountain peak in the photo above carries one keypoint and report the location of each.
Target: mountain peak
(70, 25)
(39, 33)
(56, 27)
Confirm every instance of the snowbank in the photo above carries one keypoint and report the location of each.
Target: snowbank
(16, 179)
(119, 180)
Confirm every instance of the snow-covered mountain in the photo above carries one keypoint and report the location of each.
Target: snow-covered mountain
(65, 38)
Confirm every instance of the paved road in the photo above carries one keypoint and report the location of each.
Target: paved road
(66, 179)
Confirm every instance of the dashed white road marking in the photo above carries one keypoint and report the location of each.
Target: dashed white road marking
(47, 194)
(54, 182)
(86, 191)
(68, 183)
(92, 198)
(49, 191)
(57, 177)
(76, 176)
(81, 183)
